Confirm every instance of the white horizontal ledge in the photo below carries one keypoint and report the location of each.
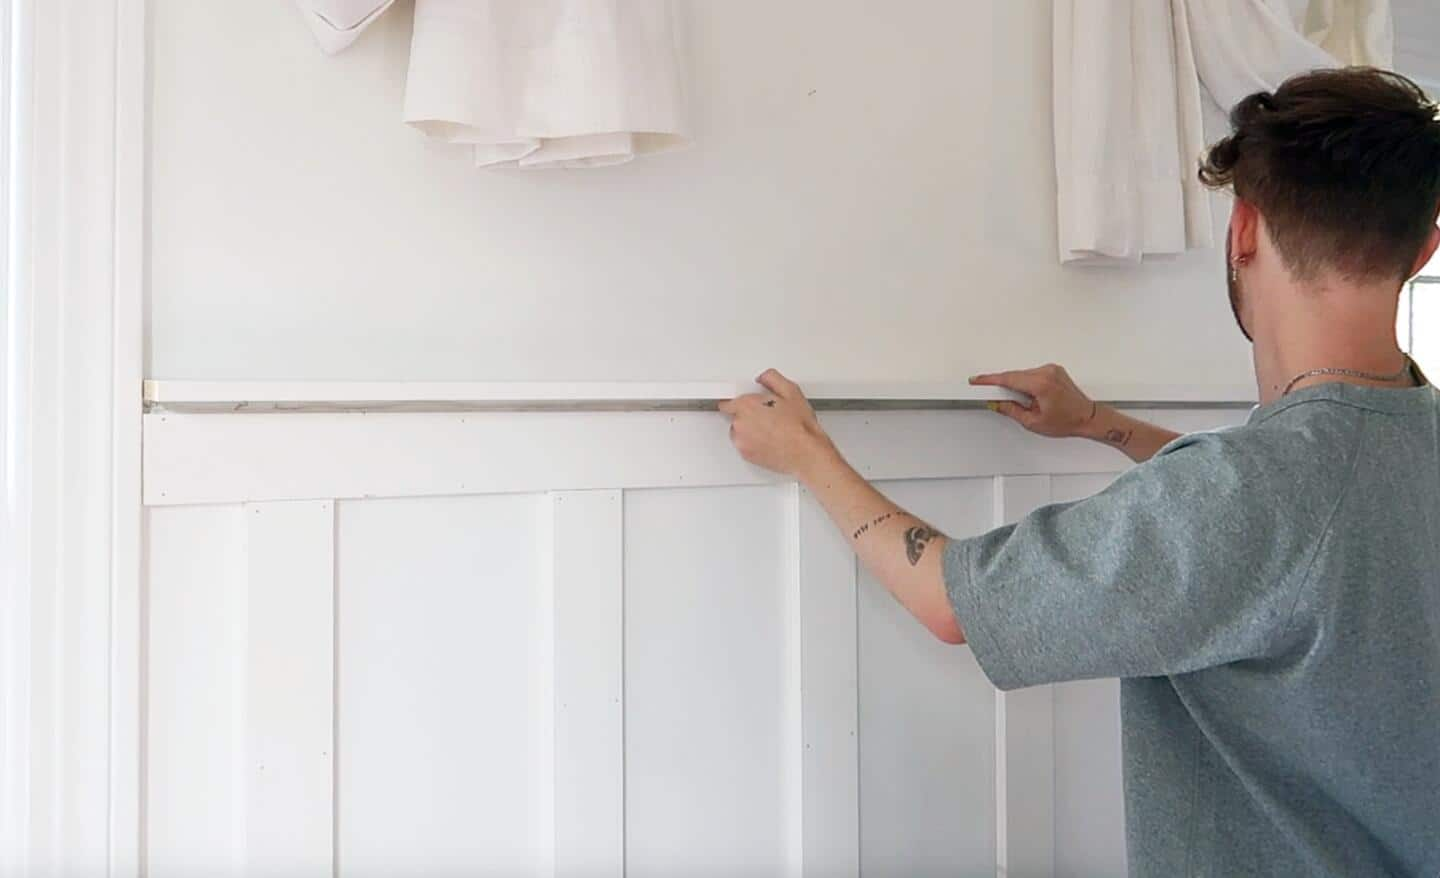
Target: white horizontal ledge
(203, 457)
(621, 395)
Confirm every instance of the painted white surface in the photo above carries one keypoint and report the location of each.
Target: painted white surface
(927, 721)
(829, 694)
(234, 395)
(443, 687)
(1417, 41)
(211, 458)
(871, 198)
(70, 515)
(708, 766)
(587, 603)
(289, 766)
(195, 683)
(128, 322)
(661, 659)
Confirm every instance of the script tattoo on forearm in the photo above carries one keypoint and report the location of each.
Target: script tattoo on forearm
(1119, 438)
(916, 539)
(864, 527)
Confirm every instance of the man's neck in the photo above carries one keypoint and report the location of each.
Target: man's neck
(1351, 329)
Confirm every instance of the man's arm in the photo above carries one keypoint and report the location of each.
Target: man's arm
(1060, 409)
(900, 550)
(1140, 580)
(779, 431)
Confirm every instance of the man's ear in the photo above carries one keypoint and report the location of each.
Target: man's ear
(1244, 230)
(1427, 250)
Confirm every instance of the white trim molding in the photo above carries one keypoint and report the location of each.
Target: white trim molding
(224, 458)
(70, 790)
(410, 396)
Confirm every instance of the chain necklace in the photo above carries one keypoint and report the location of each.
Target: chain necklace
(1350, 373)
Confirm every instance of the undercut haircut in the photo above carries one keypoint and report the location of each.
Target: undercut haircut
(1343, 164)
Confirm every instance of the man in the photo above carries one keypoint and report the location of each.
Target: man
(1269, 594)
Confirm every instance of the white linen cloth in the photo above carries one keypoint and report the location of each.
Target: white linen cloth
(540, 83)
(547, 82)
(1126, 107)
(1354, 31)
(1128, 113)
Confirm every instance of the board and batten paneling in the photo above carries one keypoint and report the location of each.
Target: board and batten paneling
(443, 683)
(586, 561)
(289, 765)
(927, 722)
(658, 663)
(195, 661)
(711, 694)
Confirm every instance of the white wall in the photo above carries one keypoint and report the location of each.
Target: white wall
(486, 643)
(1417, 41)
(871, 197)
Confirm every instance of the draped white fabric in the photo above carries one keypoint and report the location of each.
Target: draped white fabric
(535, 84)
(1129, 131)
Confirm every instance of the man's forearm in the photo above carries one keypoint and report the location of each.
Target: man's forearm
(1136, 438)
(900, 550)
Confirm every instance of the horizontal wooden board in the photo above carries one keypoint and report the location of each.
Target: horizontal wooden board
(227, 458)
(638, 395)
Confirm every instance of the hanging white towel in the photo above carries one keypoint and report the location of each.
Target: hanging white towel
(1128, 114)
(534, 83)
(337, 23)
(547, 83)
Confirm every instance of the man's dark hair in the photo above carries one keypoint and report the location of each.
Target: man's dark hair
(1343, 164)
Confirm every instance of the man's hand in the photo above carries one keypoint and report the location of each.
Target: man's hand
(1060, 409)
(777, 430)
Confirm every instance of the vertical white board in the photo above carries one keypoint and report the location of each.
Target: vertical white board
(830, 696)
(290, 691)
(708, 761)
(1024, 736)
(589, 711)
(1089, 790)
(927, 719)
(444, 687)
(195, 666)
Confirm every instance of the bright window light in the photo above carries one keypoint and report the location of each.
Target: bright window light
(1418, 324)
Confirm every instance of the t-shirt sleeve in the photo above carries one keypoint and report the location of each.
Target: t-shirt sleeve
(1185, 562)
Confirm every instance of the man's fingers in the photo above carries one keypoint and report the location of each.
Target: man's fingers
(729, 407)
(1026, 381)
(1014, 411)
(989, 378)
(778, 384)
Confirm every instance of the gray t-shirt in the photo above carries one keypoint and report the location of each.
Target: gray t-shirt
(1271, 596)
